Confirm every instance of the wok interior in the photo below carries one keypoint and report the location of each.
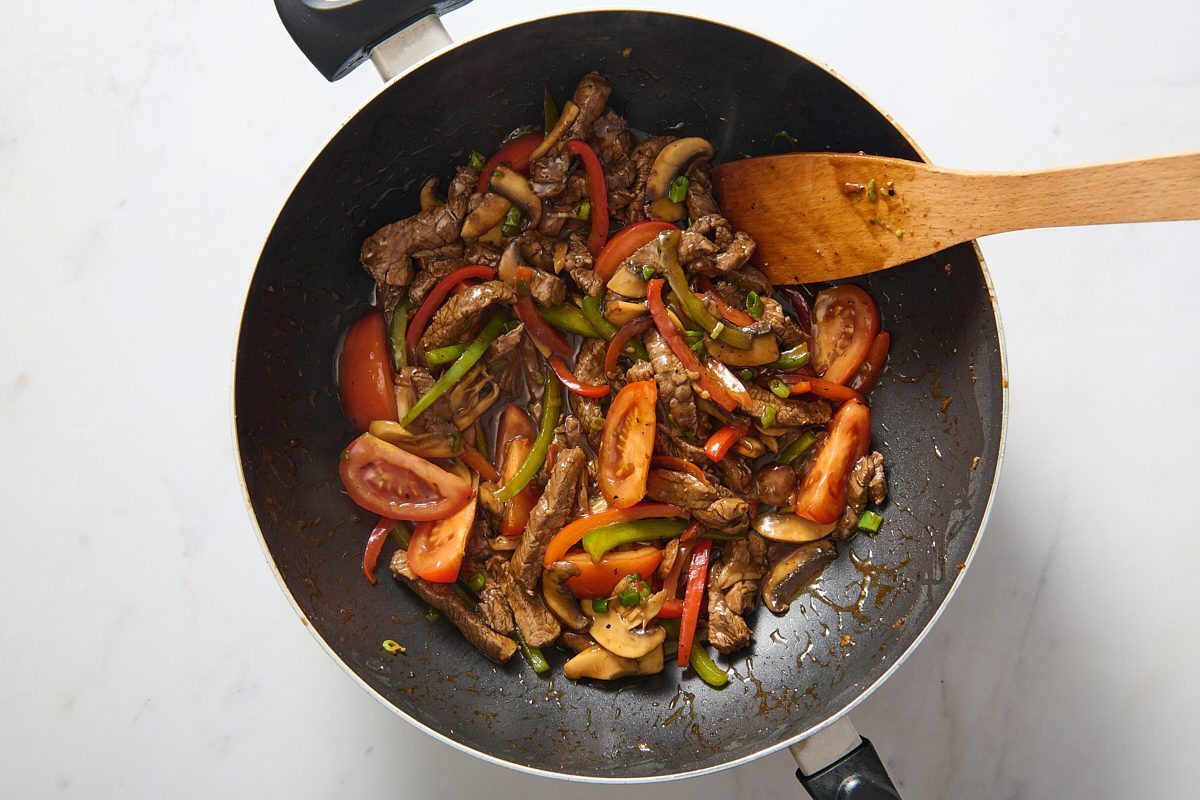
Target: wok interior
(937, 408)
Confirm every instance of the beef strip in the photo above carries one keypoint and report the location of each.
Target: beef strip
(537, 624)
(674, 386)
(591, 95)
(504, 345)
(454, 318)
(610, 139)
(387, 253)
(548, 174)
(710, 246)
(700, 201)
(547, 517)
(866, 479)
(430, 271)
(477, 252)
(494, 610)
(578, 264)
(628, 205)
(732, 588)
(712, 504)
(589, 368)
(444, 598)
(546, 287)
(775, 321)
(789, 413)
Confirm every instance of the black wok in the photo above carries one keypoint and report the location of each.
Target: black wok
(938, 416)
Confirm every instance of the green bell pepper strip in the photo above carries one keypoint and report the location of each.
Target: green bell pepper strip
(596, 318)
(444, 355)
(552, 401)
(470, 357)
(532, 655)
(721, 536)
(797, 448)
(398, 333)
(569, 318)
(790, 359)
(693, 306)
(707, 669)
(599, 541)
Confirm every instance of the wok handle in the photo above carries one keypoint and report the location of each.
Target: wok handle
(838, 764)
(338, 36)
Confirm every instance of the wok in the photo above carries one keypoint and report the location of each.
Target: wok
(939, 410)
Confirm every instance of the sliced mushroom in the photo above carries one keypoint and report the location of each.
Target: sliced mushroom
(775, 483)
(486, 216)
(671, 162)
(627, 283)
(618, 312)
(515, 186)
(618, 635)
(426, 445)
(596, 662)
(509, 261)
(575, 642)
(762, 350)
(793, 572)
(750, 447)
(569, 112)
(429, 198)
(559, 599)
(784, 526)
(472, 395)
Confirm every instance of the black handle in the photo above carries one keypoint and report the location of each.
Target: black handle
(337, 35)
(858, 775)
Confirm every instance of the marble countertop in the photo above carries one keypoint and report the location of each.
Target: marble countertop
(147, 650)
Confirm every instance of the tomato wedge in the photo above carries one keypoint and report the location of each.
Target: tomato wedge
(598, 579)
(365, 377)
(628, 239)
(822, 494)
(845, 321)
(574, 532)
(515, 153)
(514, 441)
(436, 550)
(870, 370)
(627, 444)
(396, 484)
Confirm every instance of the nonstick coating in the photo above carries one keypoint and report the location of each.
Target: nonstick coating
(937, 412)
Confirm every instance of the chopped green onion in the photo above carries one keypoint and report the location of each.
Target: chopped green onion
(600, 540)
(678, 191)
(392, 646)
(399, 332)
(647, 272)
(698, 347)
(476, 161)
(549, 109)
(432, 614)
(899, 233)
(644, 591)
(790, 359)
(552, 401)
(600, 605)
(512, 222)
(870, 521)
(754, 305)
(470, 357)
(717, 329)
(532, 655)
(779, 388)
(746, 374)
(444, 355)
(872, 192)
(707, 669)
(799, 446)
(693, 336)
(630, 598)
(585, 210)
(768, 416)
(476, 583)
(569, 318)
(787, 137)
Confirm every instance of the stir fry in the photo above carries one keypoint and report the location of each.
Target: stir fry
(588, 420)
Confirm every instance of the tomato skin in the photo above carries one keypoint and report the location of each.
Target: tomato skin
(845, 321)
(822, 494)
(627, 240)
(396, 484)
(627, 444)
(366, 382)
(600, 578)
(436, 549)
(872, 367)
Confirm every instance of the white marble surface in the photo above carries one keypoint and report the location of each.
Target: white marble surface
(146, 649)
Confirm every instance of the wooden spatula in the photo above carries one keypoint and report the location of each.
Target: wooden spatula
(828, 216)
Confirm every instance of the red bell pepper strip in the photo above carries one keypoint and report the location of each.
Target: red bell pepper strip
(375, 546)
(672, 609)
(658, 312)
(625, 242)
(597, 195)
(722, 442)
(475, 460)
(616, 346)
(731, 314)
(693, 598)
(574, 384)
(677, 464)
(437, 295)
(868, 373)
(574, 532)
(516, 154)
(832, 391)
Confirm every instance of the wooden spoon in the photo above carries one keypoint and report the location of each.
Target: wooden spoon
(828, 216)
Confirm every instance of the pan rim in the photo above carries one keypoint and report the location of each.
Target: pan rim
(597, 779)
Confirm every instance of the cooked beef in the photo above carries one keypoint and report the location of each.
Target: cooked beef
(478, 252)
(537, 624)
(610, 139)
(737, 474)
(732, 588)
(591, 95)
(630, 203)
(639, 371)
(867, 479)
(578, 264)
(546, 288)
(700, 201)
(674, 386)
(548, 516)
(430, 270)
(452, 320)
(413, 383)
(548, 174)
(589, 368)
(711, 503)
(727, 631)
(387, 254)
(444, 598)
(789, 413)
(494, 610)
(710, 246)
(748, 278)
(784, 327)
(504, 345)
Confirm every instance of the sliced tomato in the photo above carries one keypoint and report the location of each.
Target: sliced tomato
(628, 239)
(436, 550)
(627, 444)
(870, 370)
(845, 321)
(514, 440)
(822, 494)
(365, 377)
(574, 532)
(396, 484)
(598, 579)
(515, 153)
